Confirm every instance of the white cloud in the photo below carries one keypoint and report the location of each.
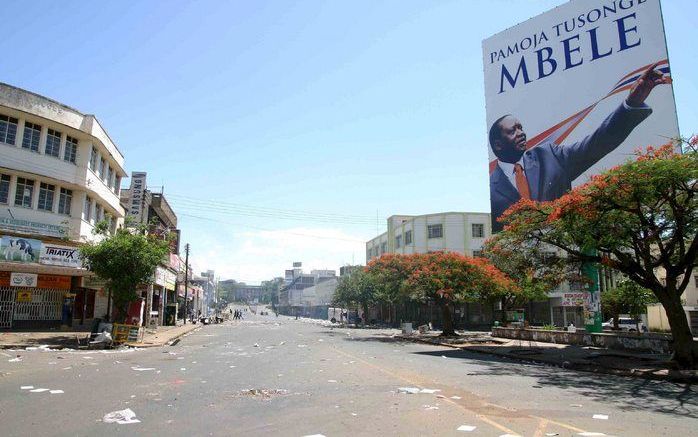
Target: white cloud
(253, 256)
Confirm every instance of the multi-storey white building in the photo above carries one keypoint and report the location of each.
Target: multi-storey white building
(59, 175)
(462, 232)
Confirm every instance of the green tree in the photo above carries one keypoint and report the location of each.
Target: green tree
(639, 218)
(627, 297)
(125, 260)
(359, 289)
(533, 270)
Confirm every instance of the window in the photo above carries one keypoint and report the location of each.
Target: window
(32, 133)
(25, 192)
(384, 248)
(398, 240)
(102, 168)
(117, 184)
(53, 143)
(8, 129)
(99, 213)
(408, 237)
(93, 159)
(435, 231)
(87, 209)
(65, 199)
(4, 188)
(369, 252)
(46, 194)
(71, 149)
(477, 254)
(478, 230)
(110, 173)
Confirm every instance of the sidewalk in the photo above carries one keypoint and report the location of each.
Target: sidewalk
(588, 359)
(164, 334)
(71, 339)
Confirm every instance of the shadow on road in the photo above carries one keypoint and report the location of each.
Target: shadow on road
(627, 393)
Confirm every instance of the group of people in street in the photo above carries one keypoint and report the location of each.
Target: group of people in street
(237, 314)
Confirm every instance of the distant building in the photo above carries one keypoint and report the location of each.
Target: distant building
(302, 293)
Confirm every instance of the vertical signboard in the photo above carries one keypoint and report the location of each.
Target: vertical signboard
(137, 191)
(572, 92)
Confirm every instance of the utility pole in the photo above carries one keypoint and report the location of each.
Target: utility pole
(186, 281)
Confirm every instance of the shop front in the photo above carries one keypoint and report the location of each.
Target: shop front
(34, 300)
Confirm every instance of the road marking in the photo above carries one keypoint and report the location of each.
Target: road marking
(482, 417)
(542, 424)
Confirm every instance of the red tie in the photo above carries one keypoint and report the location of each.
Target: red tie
(521, 182)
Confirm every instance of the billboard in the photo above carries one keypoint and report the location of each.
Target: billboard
(19, 249)
(572, 92)
(135, 208)
(57, 255)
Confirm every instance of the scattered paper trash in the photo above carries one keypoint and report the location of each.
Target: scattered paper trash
(122, 417)
(576, 405)
(456, 397)
(466, 428)
(26, 387)
(314, 435)
(430, 407)
(429, 391)
(331, 380)
(141, 369)
(551, 434)
(410, 390)
(182, 368)
(39, 390)
(600, 416)
(56, 392)
(256, 345)
(591, 434)
(15, 360)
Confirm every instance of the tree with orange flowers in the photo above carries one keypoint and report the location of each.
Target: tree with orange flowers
(443, 277)
(639, 218)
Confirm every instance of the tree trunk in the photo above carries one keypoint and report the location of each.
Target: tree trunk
(364, 307)
(685, 349)
(447, 320)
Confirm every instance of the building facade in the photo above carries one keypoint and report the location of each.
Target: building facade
(462, 232)
(60, 174)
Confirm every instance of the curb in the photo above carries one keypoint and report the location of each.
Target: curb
(164, 342)
(569, 366)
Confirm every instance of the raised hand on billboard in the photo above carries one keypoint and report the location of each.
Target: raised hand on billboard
(644, 85)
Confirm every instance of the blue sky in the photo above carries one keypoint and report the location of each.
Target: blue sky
(287, 131)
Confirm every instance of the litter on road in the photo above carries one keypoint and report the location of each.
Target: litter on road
(466, 428)
(141, 369)
(26, 387)
(56, 392)
(39, 390)
(600, 416)
(122, 417)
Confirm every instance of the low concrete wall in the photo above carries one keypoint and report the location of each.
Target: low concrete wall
(644, 342)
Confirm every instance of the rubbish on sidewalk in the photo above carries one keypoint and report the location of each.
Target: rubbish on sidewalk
(576, 405)
(331, 380)
(591, 434)
(15, 360)
(430, 407)
(551, 434)
(466, 428)
(423, 329)
(122, 417)
(141, 369)
(314, 435)
(600, 416)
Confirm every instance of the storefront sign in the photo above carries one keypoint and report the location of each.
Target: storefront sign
(24, 296)
(160, 276)
(55, 255)
(93, 282)
(29, 227)
(23, 279)
(170, 280)
(56, 282)
(25, 250)
(137, 191)
(575, 299)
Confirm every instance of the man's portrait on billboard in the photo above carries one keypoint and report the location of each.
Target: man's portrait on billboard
(545, 172)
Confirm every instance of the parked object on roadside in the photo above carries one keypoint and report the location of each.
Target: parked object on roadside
(571, 328)
(625, 324)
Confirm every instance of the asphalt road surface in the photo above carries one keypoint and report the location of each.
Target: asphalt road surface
(279, 376)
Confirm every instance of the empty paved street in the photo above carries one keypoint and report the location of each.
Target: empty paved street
(280, 376)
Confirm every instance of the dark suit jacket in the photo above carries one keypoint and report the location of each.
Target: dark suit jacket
(550, 169)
